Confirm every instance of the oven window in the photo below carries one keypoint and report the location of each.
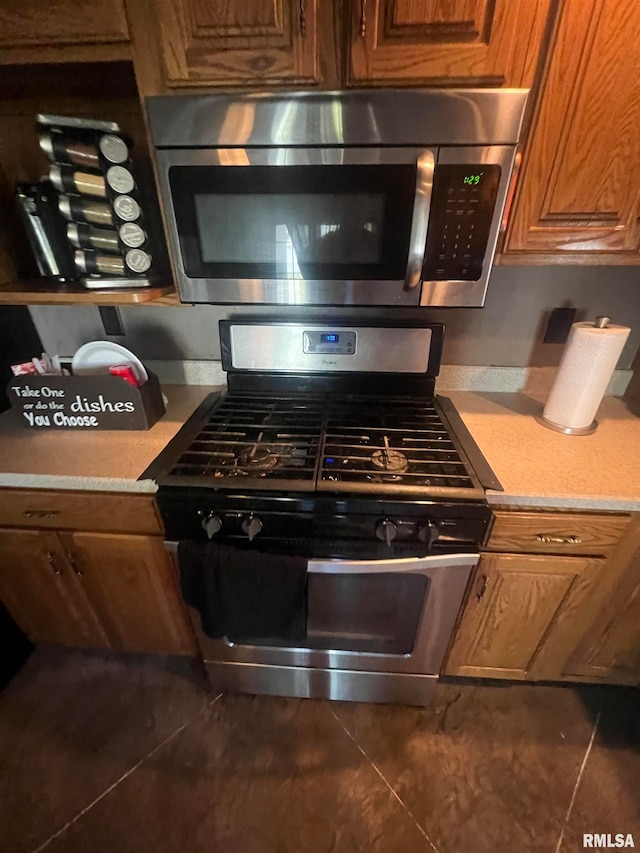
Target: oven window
(378, 613)
(294, 222)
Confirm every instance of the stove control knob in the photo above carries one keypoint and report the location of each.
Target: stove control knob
(428, 533)
(387, 531)
(252, 526)
(211, 524)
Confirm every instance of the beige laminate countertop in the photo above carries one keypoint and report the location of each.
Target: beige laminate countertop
(97, 461)
(538, 467)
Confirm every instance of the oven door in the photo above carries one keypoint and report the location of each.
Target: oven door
(377, 616)
(302, 226)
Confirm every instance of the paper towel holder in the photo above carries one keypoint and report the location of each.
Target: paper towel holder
(599, 323)
(588, 430)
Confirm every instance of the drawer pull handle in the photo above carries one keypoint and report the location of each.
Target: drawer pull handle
(52, 563)
(558, 540)
(40, 513)
(483, 588)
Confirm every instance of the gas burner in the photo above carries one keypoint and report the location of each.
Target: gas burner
(258, 457)
(384, 478)
(390, 460)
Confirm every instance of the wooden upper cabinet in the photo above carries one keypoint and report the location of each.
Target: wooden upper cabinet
(237, 42)
(580, 182)
(457, 42)
(522, 616)
(62, 31)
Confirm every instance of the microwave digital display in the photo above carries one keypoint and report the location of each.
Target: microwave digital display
(329, 339)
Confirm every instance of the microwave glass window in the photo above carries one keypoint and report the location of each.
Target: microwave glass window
(294, 233)
(294, 222)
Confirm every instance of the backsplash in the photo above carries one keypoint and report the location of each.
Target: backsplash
(508, 331)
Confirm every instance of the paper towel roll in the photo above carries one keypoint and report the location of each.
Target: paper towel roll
(587, 363)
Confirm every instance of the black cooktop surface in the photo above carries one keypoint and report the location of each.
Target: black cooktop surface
(309, 442)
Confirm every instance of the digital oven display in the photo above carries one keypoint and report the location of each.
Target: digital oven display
(329, 338)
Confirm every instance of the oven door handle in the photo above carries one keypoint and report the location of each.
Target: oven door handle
(407, 565)
(372, 567)
(420, 221)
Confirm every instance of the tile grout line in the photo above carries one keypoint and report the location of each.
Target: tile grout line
(124, 776)
(384, 779)
(578, 780)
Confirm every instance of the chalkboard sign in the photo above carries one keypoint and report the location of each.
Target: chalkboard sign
(85, 402)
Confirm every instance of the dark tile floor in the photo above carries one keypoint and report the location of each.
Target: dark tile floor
(105, 752)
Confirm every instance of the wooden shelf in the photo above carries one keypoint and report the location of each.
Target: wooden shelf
(39, 292)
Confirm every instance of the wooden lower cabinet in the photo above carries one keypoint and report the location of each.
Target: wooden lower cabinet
(522, 616)
(41, 592)
(609, 651)
(131, 585)
(94, 590)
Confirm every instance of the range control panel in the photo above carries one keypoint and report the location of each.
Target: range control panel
(462, 206)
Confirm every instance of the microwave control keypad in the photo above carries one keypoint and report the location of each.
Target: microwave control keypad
(462, 206)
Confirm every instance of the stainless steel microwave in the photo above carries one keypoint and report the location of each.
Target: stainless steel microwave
(377, 197)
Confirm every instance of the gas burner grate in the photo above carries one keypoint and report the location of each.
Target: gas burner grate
(390, 441)
(304, 442)
(257, 436)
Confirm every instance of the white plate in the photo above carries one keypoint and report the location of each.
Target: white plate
(98, 356)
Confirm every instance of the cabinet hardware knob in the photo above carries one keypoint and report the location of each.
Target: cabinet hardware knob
(40, 513)
(302, 18)
(483, 588)
(72, 562)
(52, 563)
(363, 18)
(558, 540)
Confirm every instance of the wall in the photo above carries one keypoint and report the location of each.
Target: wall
(508, 331)
(18, 342)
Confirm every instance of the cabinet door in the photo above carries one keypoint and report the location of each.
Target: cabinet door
(521, 616)
(62, 30)
(38, 588)
(457, 42)
(610, 650)
(130, 584)
(580, 182)
(238, 42)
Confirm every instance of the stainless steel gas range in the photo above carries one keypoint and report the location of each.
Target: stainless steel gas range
(331, 444)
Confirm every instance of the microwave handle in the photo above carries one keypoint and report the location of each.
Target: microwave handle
(420, 221)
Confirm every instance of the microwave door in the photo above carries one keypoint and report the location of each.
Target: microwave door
(298, 226)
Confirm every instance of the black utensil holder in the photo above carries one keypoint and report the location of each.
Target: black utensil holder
(101, 402)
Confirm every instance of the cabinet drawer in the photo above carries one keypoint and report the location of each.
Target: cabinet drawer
(556, 533)
(99, 511)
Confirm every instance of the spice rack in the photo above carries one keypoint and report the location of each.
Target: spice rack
(98, 196)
